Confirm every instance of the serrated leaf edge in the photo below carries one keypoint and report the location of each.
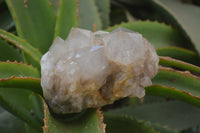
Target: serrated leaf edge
(193, 68)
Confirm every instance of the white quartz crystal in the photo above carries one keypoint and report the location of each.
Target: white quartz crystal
(90, 70)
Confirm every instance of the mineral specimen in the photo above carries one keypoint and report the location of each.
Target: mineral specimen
(89, 70)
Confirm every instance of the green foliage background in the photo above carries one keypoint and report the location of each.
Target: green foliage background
(171, 104)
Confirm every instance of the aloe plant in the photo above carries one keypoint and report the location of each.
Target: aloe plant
(171, 104)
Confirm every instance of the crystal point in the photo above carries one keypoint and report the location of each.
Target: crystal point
(90, 70)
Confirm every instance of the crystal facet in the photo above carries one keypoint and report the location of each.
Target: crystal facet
(90, 70)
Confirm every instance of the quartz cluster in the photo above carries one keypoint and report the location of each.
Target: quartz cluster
(89, 70)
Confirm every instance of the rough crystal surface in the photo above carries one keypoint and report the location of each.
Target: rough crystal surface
(89, 70)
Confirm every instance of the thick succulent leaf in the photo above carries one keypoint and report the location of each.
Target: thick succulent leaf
(88, 15)
(120, 123)
(158, 34)
(23, 45)
(183, 81)
(167, 61)
(129, 16)
(35, 21)
(90, 122)
(133, 2)
(10, 69)
(161, 128)
(32, 84)
(118, 15)
(37, 103)
(170, 92)
(19, 103)
(180, 54)
(10, 124)
(103, 7)
(78, 11)
(29, 60)
(54, 4)
(30, 129)
(177, 85)
(173, 114)
(6, 22)
(67, 17)
(186, 17)
(7, 52)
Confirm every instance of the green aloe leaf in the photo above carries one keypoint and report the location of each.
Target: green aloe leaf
(89, 122)
(10, 69)
(170, 92)
(6, 22)
(88, 15)
(167, 61)
(67, 17)
(30, 129)
(160, 128)
(78, 11)
(173, 114)
(54, 4)
(120, 123)
(28, 59)
(103, 7)
(158, 34)
(179, 54)
(23, 45)
(10, 124)
(183, 81)
(118, 15)
(19, 103)
(7, 52)
(35, 21)
(22, 83)
(15, 94)
(37, 104)
(186, 16)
